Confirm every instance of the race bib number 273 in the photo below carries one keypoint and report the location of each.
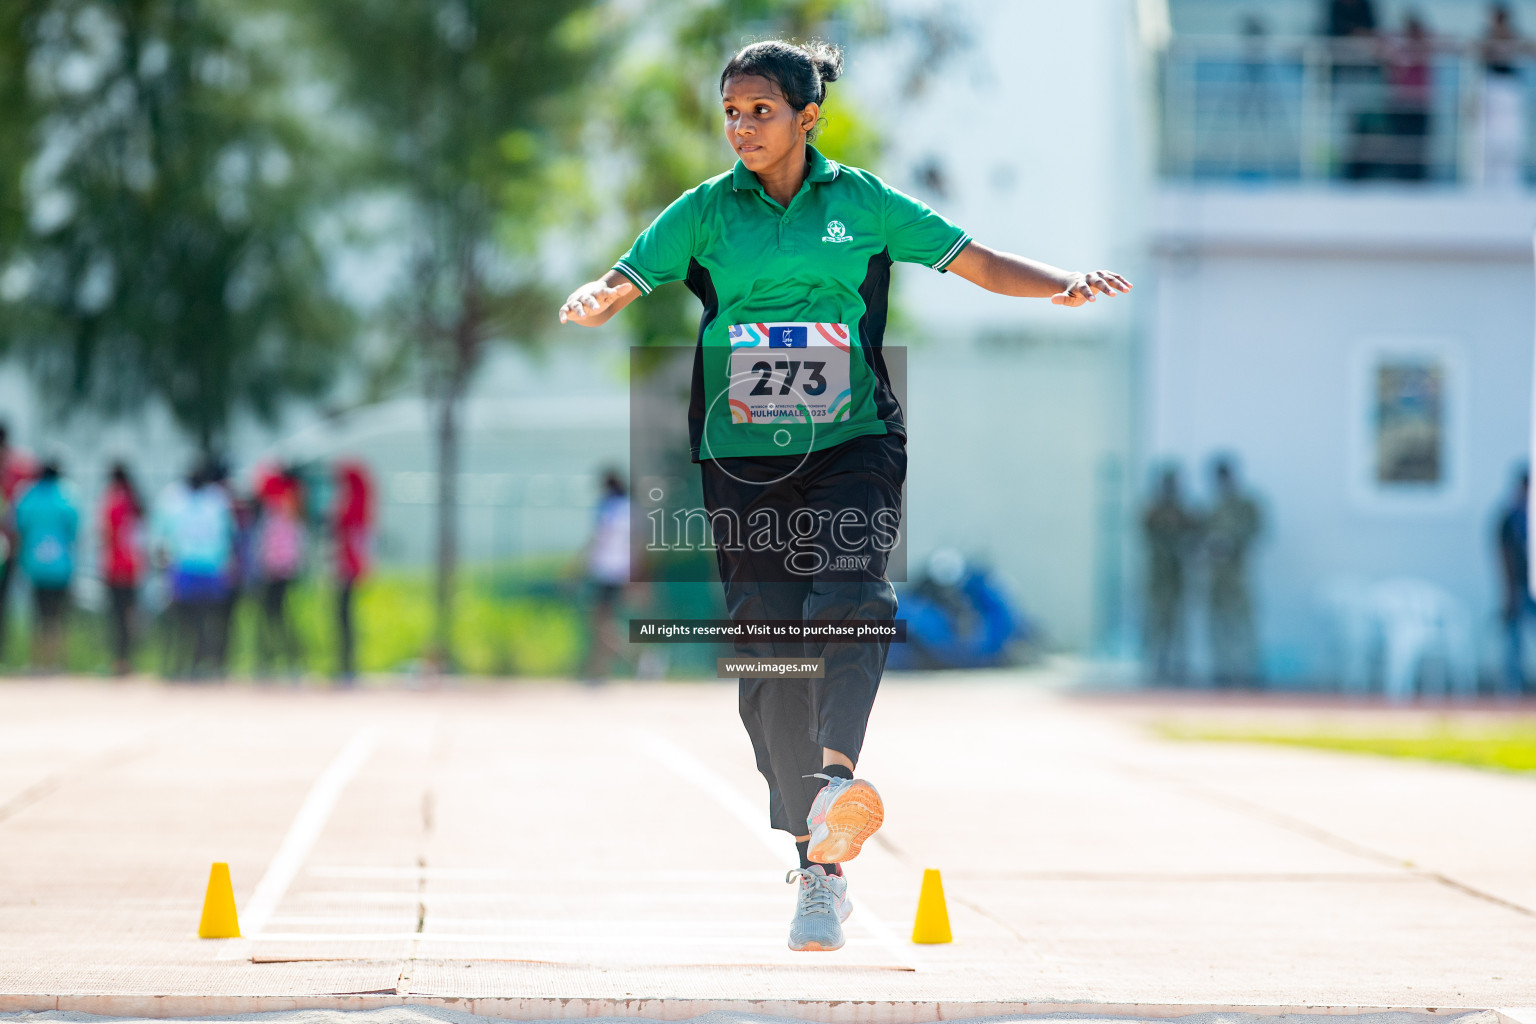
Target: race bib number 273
(789, 371)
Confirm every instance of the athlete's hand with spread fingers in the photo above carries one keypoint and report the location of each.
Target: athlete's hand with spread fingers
(592, 303)
(1082, 288)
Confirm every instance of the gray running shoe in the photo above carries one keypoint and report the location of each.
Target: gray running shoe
(820, 911)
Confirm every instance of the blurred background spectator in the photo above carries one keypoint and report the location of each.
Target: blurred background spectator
(121, 516)
(1228, 534)
(16, 472)
(194, 533)
(1504, 107)
(280, 543)
(1516, 604)
(607, 575)
(1355, 75)
(223, 628)
(1351, 19)
(244, 576)
(1169, 530)
(352, 532)
(1409, 102)
(47, 523)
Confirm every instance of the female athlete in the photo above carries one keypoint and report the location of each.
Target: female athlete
(799, 436)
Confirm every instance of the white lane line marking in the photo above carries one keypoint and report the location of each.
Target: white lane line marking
(307, 825)
(764, 892)
(521, 925)
(686, 766)
(738, 936)
(884, 934)
(521, 874)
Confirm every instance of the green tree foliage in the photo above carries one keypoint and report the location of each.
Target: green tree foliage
(465, 104)
(17, 124)
(170, 195)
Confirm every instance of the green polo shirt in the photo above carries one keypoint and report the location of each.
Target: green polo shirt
(795, 302)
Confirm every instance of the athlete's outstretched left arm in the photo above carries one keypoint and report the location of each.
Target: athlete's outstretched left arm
(1007, 274)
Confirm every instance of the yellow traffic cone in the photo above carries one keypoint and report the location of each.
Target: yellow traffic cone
(932, 924)
(219, 920)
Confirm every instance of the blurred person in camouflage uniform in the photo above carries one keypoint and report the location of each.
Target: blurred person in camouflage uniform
(1229, 532)
(1168, 527)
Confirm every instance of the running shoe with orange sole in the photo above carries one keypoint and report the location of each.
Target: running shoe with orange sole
(844, 815)
(822, 907)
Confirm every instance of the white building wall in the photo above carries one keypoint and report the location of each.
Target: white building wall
(1268, 308)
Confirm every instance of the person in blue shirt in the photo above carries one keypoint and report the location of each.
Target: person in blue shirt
(194, 536)
(1519, 606)
(46, 524)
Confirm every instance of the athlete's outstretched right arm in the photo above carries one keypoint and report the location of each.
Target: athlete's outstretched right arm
(915, 234)
(1007, 274)
(596, 302)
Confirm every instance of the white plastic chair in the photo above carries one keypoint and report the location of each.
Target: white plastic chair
(1346, 600)
(1422, 627)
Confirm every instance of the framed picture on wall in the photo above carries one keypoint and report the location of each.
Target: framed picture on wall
(1409, 411)
(1408, 425)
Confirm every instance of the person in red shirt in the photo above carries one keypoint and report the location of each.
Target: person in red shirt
(352, 524)
(16, 472)
(122, 561)
(280, 550)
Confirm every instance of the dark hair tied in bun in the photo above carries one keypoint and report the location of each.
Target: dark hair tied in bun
(800, 71)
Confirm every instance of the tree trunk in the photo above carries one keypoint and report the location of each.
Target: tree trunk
(441, 658)
(461, 357)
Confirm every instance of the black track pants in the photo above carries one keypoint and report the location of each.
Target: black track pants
(851, 496)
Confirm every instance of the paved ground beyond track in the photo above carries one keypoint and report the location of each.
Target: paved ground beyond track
(545, 851)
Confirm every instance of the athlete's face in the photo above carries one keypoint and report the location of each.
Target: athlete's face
(760, 125)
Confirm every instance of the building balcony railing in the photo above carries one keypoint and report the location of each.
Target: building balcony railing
(1309, 110)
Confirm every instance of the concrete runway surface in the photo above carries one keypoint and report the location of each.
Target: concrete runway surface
(544, 851)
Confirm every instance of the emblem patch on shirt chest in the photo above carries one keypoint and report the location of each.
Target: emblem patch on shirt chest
(836, 233)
